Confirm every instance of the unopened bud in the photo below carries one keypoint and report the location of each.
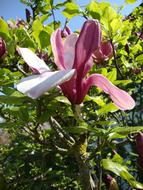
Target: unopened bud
(65, 32)
(20, 22)
(2, 47)
(136, 71)
(112, 183)
(28, 15)
(139, 147)
(127, 48)
(104, 53)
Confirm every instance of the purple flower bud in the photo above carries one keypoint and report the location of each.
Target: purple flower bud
(140, 35)
(136, 71)
(20, 22)
(65, 32)
(111, 183)
(139, 147)
(28, 15)
(103, 53)
(11, 24)
(127, 48)
(2, 47)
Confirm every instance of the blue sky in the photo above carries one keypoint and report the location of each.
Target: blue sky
(14, 9)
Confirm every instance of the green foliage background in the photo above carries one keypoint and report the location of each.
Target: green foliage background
(42, 143)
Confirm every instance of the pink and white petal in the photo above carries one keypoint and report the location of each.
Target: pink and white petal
(89, 40)
(107, 49)
(36, 85)
(120, 98)
(58, 49)
(34, 62)
(69, 50)
(87, 67)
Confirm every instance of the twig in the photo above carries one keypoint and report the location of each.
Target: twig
(114, 55)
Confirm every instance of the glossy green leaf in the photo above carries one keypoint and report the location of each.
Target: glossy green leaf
(130, 1)
(112, 75)
(4, 31)
(24, 38)
(107, 108)
(94, 10)
(42, 38)
(121, 170)
(37, 25)
(97, 99)
(139, 58)
(71, 10)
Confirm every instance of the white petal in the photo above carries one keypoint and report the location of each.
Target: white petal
(69, 50)
(33, 60)
(35, 85)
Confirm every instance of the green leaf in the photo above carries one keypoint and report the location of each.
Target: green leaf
(84, 128)
(14, 99)
(63, 99)
(127, 130)
(37, 25)
(139, 58)
(71, 10)
(4, 31)
(9, 125)
(130, 1)
(109, 14)
(121, 171)
(42, 38)
(24, 38)
(43, 18)
(107, 108)
(94, 10)
(123, 82)
(97, 99)
(112, 75)
(120, 132)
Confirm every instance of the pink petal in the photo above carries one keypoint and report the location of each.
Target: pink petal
(69, 89)
(99, 56)
(121, 98)
(89, 40)
(66, 31)
(57, 48)
(36, 85)
(107, 49)
(34, 62)
(87, 67)
(69, 50)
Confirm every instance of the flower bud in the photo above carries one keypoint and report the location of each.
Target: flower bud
(103, 53)
(112, 183)
(139, 147)
(2, 47)
(20, 22)
(136, 71)
(65, 32)
(127, 48)
(28, 15)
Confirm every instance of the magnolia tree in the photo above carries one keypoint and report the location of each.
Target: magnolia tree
(71, 101)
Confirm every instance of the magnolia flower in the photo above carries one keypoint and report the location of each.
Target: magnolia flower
(65, 32)
(104, 52)
(43, 79)
(76, 53)
(139, 147)
(73, 58)
(2, 47)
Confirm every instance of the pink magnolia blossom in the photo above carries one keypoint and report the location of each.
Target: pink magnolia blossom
(104, 52)
(73, 57)
(43, 79)
(2, 47)
(76, 53)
